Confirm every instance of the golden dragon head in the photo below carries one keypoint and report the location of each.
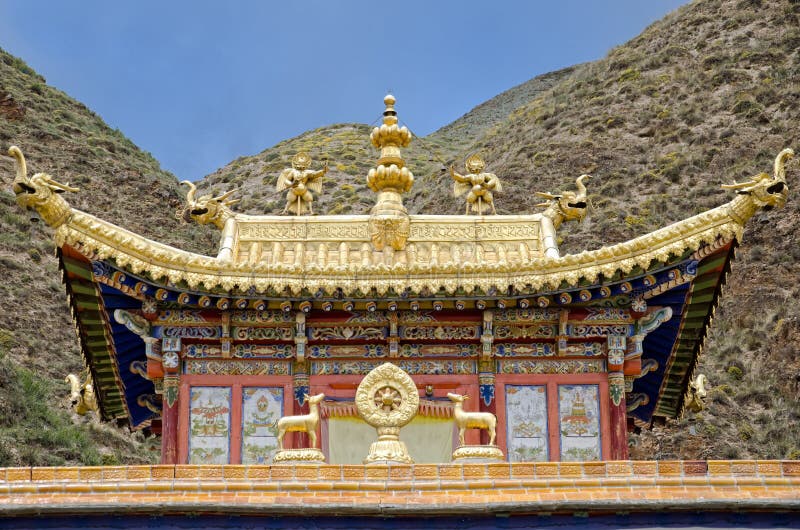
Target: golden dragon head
(208, 209)
(82, 396)
(764, 191)
(40, 193)
(567, 205)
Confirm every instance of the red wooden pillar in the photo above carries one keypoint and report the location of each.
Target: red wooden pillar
(485, 433)
(169, 434)
(618, 416)
(167, 371)
(169, 420)
(300, 388)
(616, 396)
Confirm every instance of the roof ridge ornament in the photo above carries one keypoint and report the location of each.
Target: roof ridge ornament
(217, 211)
(300, 181)
(389, 223)
(566, 205)
(40, 193)
(478, 186)
(761, 191)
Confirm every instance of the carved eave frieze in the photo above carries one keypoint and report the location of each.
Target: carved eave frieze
(100, 240)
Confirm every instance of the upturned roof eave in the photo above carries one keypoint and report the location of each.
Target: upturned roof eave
(97, 239)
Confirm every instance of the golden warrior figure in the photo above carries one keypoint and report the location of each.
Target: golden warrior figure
(300, 181)
(479, 185)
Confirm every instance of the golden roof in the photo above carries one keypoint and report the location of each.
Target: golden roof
(331, 252)
(388, 249)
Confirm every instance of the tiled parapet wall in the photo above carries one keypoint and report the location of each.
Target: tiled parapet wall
(590, 487)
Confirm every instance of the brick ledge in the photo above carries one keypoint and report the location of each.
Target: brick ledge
(421, 489)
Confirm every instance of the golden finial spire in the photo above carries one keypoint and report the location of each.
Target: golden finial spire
(389, 223)
(389, 138)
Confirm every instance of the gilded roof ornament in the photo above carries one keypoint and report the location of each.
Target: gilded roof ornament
(209, 209)
(82, 396)
(696, 393)
(332, 254)
(761, 191)
(478, 186)
(389, 222)
(301, 161)
(217, 211)
(300, 181)
(40, 193)
(567, 205)
(387, 399)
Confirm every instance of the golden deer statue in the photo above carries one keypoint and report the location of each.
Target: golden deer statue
(304, 423)
(472, 420)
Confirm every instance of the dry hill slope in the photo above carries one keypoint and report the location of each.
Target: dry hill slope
(118, 182)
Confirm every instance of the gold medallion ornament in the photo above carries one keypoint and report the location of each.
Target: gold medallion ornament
(387, 399)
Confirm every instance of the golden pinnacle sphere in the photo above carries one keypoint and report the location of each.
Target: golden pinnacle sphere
(389, 134)
(389, 115)
(390, 173)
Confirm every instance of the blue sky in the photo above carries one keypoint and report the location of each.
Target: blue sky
(200, 83)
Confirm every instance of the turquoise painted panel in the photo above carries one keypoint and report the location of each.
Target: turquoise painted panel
(526, 423)
(209, 425)
(579, 422)
(262, 407)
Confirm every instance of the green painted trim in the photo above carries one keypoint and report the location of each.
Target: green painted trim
(87, 312)
(702, 299)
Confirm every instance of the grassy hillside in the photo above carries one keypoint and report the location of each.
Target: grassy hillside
(118, 182)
